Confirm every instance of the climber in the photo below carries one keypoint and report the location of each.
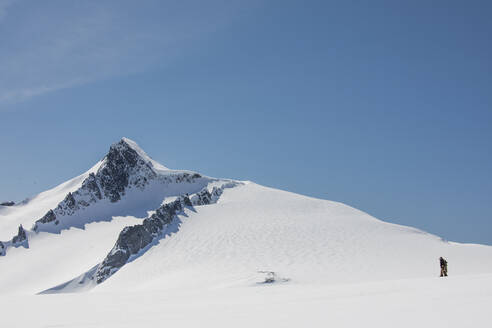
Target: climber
(444, 267)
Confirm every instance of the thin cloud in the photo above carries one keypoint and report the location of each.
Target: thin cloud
(26, 93)
(52, 45)
(4, 4)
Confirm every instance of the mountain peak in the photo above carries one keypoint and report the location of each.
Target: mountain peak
(130, 143)
(126, 144)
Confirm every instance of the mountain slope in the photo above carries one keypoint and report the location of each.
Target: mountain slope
(307, 240)
(130, 223)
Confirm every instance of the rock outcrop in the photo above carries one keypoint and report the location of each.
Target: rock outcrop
(20, 238)
(135, 238)
(47, 218)
(7, 204)
(17, 241)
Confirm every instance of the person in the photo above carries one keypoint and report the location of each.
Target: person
(444, 267)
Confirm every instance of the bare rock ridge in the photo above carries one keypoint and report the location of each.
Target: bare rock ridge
(7, 204)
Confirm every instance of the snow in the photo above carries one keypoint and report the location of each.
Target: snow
(336, 265)
(308, 240)
(156, 165)
(461, 301)
(28, 211)
(55, 258)
(251, 228)
(136, 203)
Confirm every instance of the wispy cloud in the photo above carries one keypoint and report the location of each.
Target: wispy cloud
(51, 45)
(4, 4)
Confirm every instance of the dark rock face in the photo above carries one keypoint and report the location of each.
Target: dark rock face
(114, 176)
(20, 237)
(2, 249)
(130, 241)
(204, 197)
(70, 201)
(90, 184)
(48, 217)
(187, 200)
(7, 204)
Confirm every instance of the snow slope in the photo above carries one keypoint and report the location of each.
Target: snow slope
(308, 240)
(251, 228)
(199, 242)
(31, 209)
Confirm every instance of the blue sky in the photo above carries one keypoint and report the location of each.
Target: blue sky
(383, 105)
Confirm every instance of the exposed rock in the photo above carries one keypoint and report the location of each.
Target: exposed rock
(70, 201)
(204, 197)
(20, 238)
(48, 217)
(90, 184)
(133, 239)
(122, 162)
(7, 204)
(187, 201)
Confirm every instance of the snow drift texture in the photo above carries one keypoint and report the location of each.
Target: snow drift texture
(130, 223)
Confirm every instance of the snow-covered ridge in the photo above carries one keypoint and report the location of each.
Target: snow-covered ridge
(126, 169)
